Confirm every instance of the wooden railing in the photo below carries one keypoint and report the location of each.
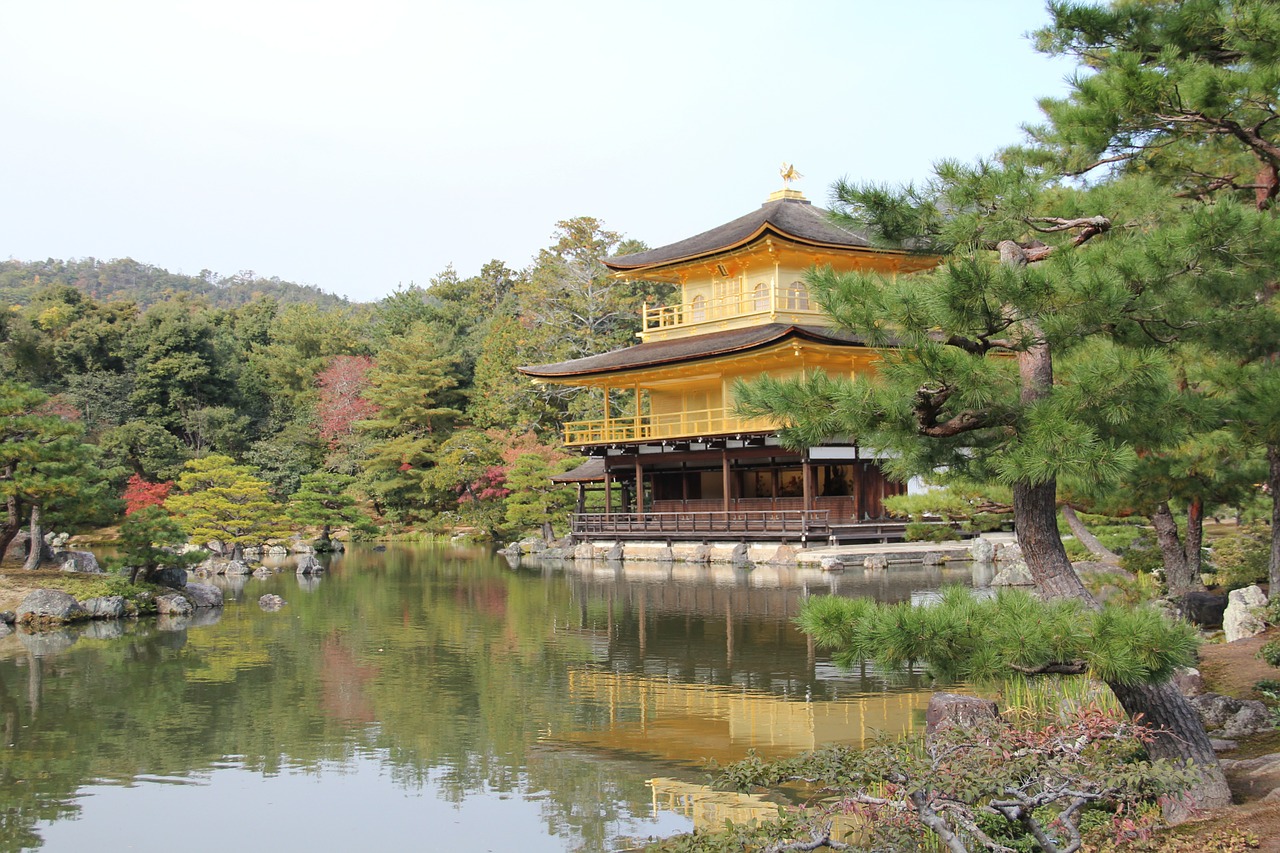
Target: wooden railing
(776, 524)
(690, 423)
(748, 303)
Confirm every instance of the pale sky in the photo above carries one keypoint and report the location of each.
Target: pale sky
(363, 146)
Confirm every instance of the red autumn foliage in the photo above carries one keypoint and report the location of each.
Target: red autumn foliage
(138, 493)
(489, 486)
(341, 403)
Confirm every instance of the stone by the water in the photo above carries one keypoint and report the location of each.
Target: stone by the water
(271, 602)
(50, 605)
(1245, 615)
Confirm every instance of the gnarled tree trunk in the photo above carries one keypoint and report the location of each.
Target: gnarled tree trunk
(1181, 574)
(1086, 537)
(35, 549)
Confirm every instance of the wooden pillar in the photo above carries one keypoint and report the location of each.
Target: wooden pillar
(724, 465)
(608, 489)
(582, 497)
(639, 486)
(806, 480)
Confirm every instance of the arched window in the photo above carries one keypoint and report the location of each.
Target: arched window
(797, 296)
(698, 308)
(760, 297)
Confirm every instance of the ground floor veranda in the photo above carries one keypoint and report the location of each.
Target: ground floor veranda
(742, 488)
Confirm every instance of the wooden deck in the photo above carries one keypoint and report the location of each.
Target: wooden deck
(800, 526)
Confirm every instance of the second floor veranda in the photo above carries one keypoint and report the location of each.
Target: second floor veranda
(684, 424)
(764, 302)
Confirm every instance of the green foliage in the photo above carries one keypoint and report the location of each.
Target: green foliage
(962, 637)
(1142, 556)
(324, 500)
(218, 499)
(147, 539)
(1001, 786)
(1269, 687)
(1240, 558)
(534, 499)
(1270, 653)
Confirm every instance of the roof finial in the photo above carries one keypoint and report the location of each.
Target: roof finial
(789, 174)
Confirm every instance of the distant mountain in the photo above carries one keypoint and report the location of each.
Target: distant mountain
(126, 279)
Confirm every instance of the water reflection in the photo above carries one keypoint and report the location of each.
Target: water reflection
(545, 694)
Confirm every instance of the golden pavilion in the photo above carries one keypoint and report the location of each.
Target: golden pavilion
(687, 467)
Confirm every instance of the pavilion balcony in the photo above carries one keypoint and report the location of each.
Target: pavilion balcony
(764, 303)
(688, 424)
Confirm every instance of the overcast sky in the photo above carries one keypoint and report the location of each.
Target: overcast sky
(361, 146)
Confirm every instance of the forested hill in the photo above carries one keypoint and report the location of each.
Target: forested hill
(146, 285)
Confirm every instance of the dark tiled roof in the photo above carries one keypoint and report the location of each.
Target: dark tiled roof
(692, 348)
(590, 471)
(793, 218)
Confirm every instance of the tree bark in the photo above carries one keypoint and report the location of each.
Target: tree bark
(13, 523)
(1180, 578)
(1179, 736)
(1194, 547)
(237, 552)
(1273, 483)
(35, 549)
(1086, 538)
(1035, 520)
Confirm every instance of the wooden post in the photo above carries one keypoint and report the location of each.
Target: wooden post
(608, 490)
(806, 481)
(724, 465)
(639, 486)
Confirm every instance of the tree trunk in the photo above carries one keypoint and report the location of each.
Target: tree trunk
(1179, 736)
(35, 549)
(1179, 576)
(324, 534)
(1194, 548)
(13, 523)
(1035, 520)
(237, 552)
(1086, 538)
(1273, 483)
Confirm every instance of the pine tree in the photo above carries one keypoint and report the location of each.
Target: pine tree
(1186, 92)
(218, 499)
(324, 500)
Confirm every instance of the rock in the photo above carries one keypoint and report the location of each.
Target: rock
(203, 595)
(57, 540)
(8, 617)
(740, 558)
(933, 559)
(784, 556)
(584, 551)
(701, 555)
(948, 710)
(532, 545)
(237, 567)
(309, 565)
(982, 551)
(664, 555)
(214, 546)
(106, 607)
(5, 630)
(615, 553)
(302, 548)
(170, 576)
(50, 606)
(79, 561)
(339, 548)
(379, 548)
(277, 551)
(1009, 552)
(1205, 609)
(831, 564)
(271, 602)
(173, 604)
(1230, 717)
(251, 552)
(1245, 615)
(876, 562)
(174, 624)
(1188, 681)
(1223, 745)
(262, 572)
(1015, 574)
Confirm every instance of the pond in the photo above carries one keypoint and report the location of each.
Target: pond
(432, 699)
